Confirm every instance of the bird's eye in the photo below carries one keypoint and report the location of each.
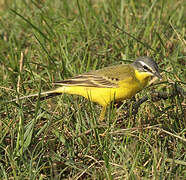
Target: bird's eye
(146, 68)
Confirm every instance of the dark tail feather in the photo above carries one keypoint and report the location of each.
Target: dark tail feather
(49, 96)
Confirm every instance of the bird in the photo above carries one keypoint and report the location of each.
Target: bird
(112, 83)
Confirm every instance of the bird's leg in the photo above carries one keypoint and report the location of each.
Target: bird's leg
(102, 114)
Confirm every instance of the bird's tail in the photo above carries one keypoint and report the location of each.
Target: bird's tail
(44, 95)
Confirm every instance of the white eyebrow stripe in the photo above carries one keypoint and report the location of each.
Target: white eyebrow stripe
(144, 64)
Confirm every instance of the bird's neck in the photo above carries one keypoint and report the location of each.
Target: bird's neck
(143, 77)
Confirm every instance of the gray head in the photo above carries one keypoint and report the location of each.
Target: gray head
(147, 64)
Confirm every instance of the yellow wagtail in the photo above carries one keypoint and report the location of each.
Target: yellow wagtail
(102, 86)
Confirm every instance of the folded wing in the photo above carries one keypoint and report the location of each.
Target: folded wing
(108, 77)
(89, 80)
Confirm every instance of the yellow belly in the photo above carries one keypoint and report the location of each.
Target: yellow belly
(104, 96)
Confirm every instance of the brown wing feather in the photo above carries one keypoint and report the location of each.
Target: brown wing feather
(89, 80)
(108, 77)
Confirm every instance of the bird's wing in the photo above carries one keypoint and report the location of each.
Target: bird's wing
(108, 77)
(89, 80)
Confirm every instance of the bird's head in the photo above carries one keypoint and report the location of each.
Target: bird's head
(146, 65)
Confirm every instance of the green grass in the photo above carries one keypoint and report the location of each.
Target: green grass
(45, 41)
